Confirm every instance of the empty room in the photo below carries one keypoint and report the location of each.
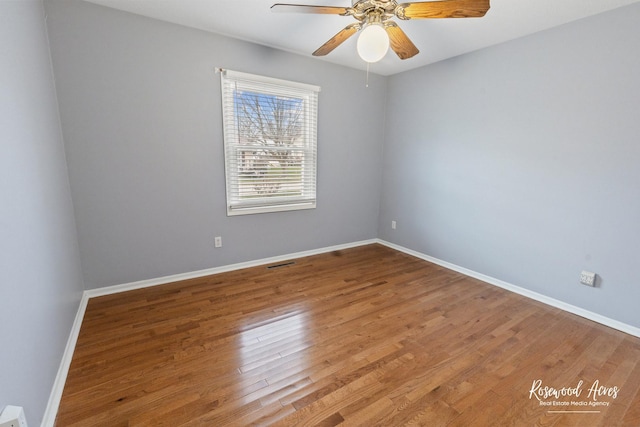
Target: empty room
(358, 213)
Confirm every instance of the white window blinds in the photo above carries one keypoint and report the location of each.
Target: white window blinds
(270, 128)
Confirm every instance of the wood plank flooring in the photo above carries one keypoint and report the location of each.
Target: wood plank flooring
(361, 337)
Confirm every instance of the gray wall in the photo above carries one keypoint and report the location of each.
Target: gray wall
(521, 162)
(41, 281)
(140, 108)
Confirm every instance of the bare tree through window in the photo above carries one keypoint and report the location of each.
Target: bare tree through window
(270, 129)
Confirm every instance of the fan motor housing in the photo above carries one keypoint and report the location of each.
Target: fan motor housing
(386, 9)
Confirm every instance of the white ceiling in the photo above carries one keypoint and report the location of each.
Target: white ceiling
(437, 39)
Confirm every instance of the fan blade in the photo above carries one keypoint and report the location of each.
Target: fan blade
(336, 40)
(301, 8)
(400, 43)
(443, 9)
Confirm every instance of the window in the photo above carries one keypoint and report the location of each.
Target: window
(270, 128)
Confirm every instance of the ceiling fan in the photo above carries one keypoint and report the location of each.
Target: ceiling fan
(374, 19)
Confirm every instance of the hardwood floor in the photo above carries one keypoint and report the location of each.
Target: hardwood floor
(362, 337)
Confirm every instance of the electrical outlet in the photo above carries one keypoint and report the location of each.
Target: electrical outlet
(217, 242)
(588, 278)
(13, 416)
(393, 225)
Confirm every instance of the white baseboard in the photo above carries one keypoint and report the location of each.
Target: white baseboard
(623, 327)
(108, 290)
(58, 387)
(51, 410)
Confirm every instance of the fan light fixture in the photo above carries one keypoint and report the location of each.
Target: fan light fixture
(373, 43)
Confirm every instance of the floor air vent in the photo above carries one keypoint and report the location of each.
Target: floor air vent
(284, 264)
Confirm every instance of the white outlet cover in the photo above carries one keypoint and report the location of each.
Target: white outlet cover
(13, 416)
(588, 278)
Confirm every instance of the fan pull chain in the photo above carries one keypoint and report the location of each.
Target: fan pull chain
(366, 83)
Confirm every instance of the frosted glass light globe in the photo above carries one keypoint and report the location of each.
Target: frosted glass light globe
(373, 43)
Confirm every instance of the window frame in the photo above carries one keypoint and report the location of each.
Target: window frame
(234, 82)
